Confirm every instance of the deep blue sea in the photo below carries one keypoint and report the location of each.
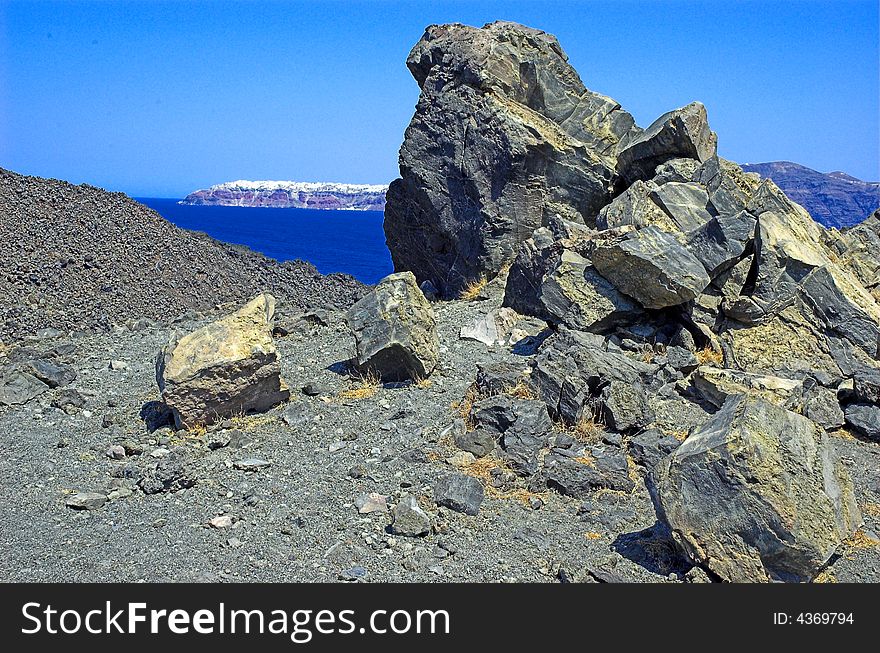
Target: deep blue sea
(334, 241)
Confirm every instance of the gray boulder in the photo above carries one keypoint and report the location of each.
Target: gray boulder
(864, 419)
(757, 494)
(624, 406)
(650, 447)
(395, 330)
(579, 476)
(652, 267)
(682, 133)
(55, 375)
(722, 241)
(460, 493)
(504, 136)
(19, 388)
(686, 203)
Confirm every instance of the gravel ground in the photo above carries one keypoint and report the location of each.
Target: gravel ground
(79, 257)
(296, 519)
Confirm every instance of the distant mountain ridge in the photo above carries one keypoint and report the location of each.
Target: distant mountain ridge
(834, 199)
(292, 194)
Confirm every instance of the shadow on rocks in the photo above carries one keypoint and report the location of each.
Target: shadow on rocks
(654, 549)
(156, 415)
(529, 345)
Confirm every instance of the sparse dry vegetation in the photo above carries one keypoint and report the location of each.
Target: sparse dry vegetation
(589, 429)
(366, 385)
(472, 289)
(521, 390)
(708, 356)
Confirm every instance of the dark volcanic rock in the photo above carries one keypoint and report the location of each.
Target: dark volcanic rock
(504, 136)
(19, 388)
(395, 330)
(460, 493)
(864, 419)
(651, 266)
(680, 133)
(757, 494)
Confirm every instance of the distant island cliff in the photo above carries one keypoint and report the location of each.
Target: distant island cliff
(292, 194)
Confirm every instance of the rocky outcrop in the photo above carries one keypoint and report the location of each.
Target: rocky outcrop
(834, 199)
(228, 367)
(292, 194)
(395, 331)
(505, 135)
(683, 133)
(757, 494)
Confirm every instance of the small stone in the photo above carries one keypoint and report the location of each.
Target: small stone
(460, 493)
(312, 390)
(372, 502)
(353, 574)
(221, 521)
(251, 464)
(160, 452)
(336, 446)
(409, 519)
(86, 501)
(118, 366)
(461, 459)
(116, 452)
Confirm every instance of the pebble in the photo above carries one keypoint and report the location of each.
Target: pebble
(251, 464)
(370, 503)
(336, 446)
(86, 501)
(116, 452)
(353, 574)
(118, 366)
(461, 459)
(221, 521)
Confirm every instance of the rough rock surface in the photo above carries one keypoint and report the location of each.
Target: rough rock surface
(504, 136)
(226, 368)
(395, 330)
(681, 133)
(757, 494)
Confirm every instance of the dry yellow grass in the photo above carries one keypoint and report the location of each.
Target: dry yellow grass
(481, 469)
(681, 436)
(366, 385)
(860, 540)
(825, 576)
(593, 536)
(587, 429)
(872, 509)
(422, 382)
(473, 289)
(708, 356)
(521, 391)
(585, 459)
(463, 407)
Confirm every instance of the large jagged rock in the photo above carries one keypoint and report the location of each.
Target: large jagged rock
(652, 267)
(576, 295)
(505, 136)
(757, 494)
(228, 367)
(680, 133)
(395, 330)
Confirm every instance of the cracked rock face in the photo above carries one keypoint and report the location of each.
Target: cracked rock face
(504, 136)
(757, 494)
(228, 367)
(395, 330)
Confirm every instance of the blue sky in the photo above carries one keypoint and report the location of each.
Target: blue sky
(160, 98)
